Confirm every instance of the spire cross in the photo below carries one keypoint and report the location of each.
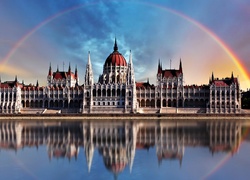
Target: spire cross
(115, 46)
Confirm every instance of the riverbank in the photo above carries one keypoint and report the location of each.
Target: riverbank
(125, 116)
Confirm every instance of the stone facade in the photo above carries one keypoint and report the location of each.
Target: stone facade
(117, 92)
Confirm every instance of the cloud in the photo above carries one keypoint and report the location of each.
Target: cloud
(151, 33)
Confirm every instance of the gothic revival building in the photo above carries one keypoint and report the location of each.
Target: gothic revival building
(117, 92)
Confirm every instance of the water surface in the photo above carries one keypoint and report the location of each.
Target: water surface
(215, 149)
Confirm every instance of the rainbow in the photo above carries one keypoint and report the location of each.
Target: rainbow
(210, 33)
(23, 166)
(37, 27)
(227, 156)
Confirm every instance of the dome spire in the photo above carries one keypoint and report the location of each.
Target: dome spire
(115, 45)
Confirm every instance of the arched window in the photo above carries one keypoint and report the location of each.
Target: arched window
(113, 92)
(94, 92)
(218, 93)
(130, 94)
(118, 92)
(108, 93)
(104, 92)
(99, 92)
(123, 92)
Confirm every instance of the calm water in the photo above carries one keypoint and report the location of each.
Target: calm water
(125, 150)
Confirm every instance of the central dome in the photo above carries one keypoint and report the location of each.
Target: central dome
(115, 58)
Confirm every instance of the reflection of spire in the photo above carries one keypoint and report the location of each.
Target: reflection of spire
(88, 144)
(89, 152)
(115, 176)
(132, 146)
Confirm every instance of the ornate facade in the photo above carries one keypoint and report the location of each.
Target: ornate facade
(117, 92)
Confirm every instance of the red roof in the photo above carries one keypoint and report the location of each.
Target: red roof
(224, 82)
(171, 73)
(144, 85)
(115, 59)
(10, 84)
(62, 75)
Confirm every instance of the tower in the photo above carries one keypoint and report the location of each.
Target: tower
(76, 76)
(89, 79)
(50, 76)
(131, 83)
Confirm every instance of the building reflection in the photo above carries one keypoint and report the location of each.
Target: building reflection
(118, 141)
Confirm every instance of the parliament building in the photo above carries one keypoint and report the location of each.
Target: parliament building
(118, 92)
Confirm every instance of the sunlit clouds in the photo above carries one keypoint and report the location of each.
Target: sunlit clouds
(59, 33)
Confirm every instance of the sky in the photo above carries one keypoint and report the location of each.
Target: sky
(208, 36)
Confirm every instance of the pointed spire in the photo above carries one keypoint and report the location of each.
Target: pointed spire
(89, 79)
(16, 78)
(89, 60)
(37, 84)
(131, 62)
(76, 72)
(130, 58)
(159, 66)
(180, 66)
(50, 70)
(57, 69)
(232, 76)
(69, 70)
(212, 76)
(76, 76)
(115, 46)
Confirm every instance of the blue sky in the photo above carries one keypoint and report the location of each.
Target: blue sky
(64, 31)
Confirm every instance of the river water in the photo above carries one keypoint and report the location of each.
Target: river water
(125, 149)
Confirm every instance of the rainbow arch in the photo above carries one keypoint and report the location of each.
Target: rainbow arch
(210, 33)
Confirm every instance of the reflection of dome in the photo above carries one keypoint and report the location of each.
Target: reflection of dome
(115, 159)
(115, 167)
(115, 58)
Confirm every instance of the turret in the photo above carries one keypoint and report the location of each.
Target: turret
(180, 67)
(115, 46)
(50, 70)
(76, 76)
(159, 67)
(89, 80)
(131, 81)
(232, 76)
(50, 76)
(130, 74)
(69, 70)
